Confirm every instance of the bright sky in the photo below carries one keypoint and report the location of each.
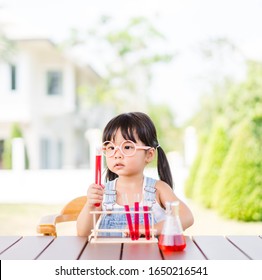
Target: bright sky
(185, 23)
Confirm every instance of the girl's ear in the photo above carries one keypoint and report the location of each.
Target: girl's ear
(150, 155)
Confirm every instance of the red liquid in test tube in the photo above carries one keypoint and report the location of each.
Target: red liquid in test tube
(136, 207)
(98, 169)
(129, 222)
(128, 216)
(146, 220)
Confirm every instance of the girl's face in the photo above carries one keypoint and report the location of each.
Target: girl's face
(129, 165)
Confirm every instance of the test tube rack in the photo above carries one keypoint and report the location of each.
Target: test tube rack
(95, 238)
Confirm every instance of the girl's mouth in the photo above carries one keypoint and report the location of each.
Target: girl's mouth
(119, 165)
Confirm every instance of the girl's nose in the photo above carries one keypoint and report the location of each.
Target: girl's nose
(118, 153)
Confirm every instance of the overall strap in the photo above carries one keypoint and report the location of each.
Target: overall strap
(110, 195)
(150, 191)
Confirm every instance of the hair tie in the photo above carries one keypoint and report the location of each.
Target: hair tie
(157, 146)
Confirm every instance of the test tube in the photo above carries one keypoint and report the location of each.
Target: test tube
(98, 169)
(136, 208)
(128, 216)
(146, 220)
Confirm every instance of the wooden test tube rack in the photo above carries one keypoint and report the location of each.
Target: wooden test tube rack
(95, 238)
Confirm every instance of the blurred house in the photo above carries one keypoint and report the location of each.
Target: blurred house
(38, 90)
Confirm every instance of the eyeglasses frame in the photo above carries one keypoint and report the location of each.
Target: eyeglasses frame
(137, 147)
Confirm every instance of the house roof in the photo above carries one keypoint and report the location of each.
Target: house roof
(45, 44)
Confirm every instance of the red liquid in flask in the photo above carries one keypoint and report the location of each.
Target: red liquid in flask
(170, 243)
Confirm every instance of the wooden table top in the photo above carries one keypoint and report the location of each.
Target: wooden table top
(78, 248)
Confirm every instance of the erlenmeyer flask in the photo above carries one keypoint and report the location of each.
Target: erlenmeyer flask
(172, 237)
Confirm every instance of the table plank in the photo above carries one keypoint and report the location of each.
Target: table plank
(250, 245)
(27, 248)
(64, 248)
(73, 247)
(191, 252)
(7, 241)
(141, 251)
(218, 248)
(100, 251)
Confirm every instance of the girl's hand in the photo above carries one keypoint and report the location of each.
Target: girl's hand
(95, 195)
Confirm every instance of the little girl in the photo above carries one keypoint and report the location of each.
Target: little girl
(129, 144)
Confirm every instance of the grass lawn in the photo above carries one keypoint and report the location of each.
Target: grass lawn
(22, 219)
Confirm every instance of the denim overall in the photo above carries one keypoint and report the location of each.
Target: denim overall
(118, 221)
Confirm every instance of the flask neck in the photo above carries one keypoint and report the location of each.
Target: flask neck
(172, 208)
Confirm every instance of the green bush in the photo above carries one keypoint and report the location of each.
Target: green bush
(190, 181)
(7, 154)
(213, 158)
(16, 132)
(238, 192)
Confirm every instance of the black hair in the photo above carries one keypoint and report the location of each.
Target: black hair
(140, 124)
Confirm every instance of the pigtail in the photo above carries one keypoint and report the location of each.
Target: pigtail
(163, 167)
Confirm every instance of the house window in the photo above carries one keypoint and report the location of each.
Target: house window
(60, 154)
(13, 77)
(54, 82)
(51, 154)
(45, 153)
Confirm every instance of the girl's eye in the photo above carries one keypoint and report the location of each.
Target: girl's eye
(128, 147)
(110, 148)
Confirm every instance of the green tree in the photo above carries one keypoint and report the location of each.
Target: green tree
(220, 59)
(169, 136)
(128, 58)
(7, 47)
(238, 192)
(244, 100)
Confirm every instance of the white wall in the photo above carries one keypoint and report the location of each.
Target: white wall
(14, 105)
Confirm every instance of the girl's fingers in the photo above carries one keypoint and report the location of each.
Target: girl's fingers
(96, 189)
(95, 194)
(96, 186)
(97, 197)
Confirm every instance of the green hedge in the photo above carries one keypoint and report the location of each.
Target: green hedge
(238, 192)
(190, 181)
(213, 158)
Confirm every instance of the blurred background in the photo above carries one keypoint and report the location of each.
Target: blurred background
(67, 67)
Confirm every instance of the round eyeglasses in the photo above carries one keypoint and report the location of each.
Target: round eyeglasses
(127, 148)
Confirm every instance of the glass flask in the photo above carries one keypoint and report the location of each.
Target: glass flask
(172, 237)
